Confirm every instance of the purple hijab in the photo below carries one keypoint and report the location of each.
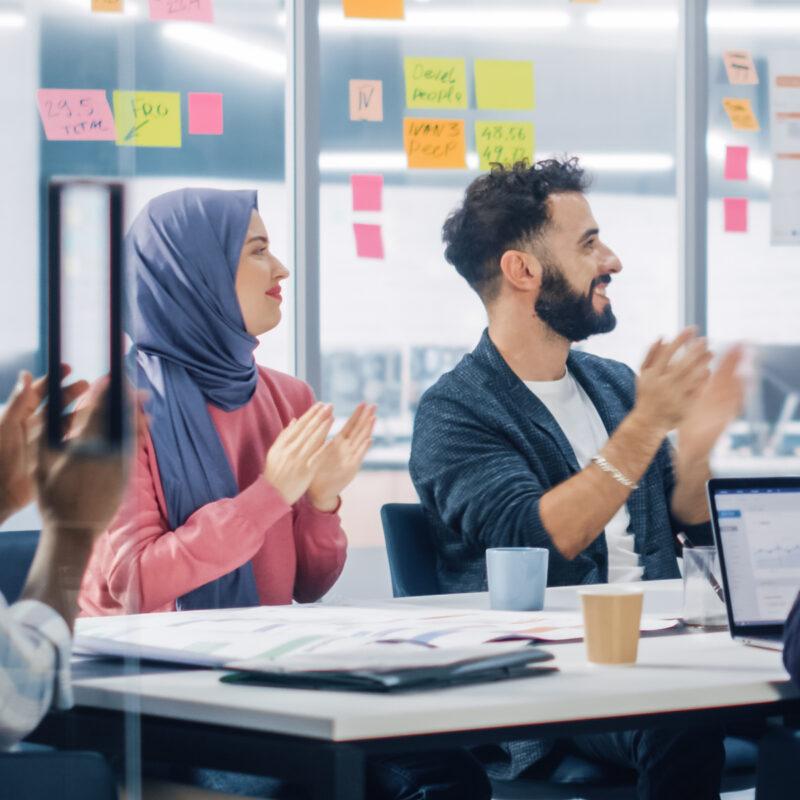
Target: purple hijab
(191, 349)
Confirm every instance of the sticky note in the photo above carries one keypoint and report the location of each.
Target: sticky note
(435, 143)
(735, 214)
(189, 10)
(504, 142)
(374, 9)
(504, 84)
(108, 5)
(367, 192)
(366, 100)
(736, 163)
(369, 240)
(740, 113)
(148, 119)
(205, 114)
(76, 115)
(740, 67)
(435, 82)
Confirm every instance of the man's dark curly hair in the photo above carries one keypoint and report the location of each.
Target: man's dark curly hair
(504, 209)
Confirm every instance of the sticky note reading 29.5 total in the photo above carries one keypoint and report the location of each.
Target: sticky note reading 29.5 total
(148, 119)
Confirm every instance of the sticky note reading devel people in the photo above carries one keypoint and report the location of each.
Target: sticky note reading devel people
(504, 84)
(76, 115)
(188, 10)
(504, 142)
(148, 119)
(740, 113)
(435, 143)
(366, 100)
(435, 82)
(374, 9)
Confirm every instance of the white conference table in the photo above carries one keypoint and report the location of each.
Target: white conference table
(695, 676)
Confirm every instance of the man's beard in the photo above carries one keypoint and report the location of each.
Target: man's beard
(569, 313)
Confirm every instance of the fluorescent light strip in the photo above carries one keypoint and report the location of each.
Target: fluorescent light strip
(633, 20)
(212, 40)
(395, 161)
(11, 20)
(779, 20)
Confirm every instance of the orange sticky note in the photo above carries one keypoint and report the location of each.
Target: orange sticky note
(108, 5)
(369, 240)
(741, 114)
(435, 143)
(374, 9)
(366, 100)
(740, 67)
(735, 214)
(71, 115)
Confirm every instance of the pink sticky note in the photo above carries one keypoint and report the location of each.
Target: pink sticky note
(76, 115)
(367, 192)
(366, 100)
(736, 163)
(369, 240)
(191, 10)
(735, 214)
(205, 113)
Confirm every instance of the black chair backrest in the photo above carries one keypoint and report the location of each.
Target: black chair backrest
(409, 545)
(17, 549)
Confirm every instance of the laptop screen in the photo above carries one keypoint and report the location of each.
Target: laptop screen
(759, 533)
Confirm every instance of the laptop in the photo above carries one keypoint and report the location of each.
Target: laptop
(756, 523)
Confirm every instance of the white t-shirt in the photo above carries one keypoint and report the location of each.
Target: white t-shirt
(572, 409)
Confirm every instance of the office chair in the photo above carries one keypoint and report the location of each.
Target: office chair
(409, 545)
(17, 549)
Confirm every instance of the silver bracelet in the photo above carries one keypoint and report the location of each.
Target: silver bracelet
(614, 472)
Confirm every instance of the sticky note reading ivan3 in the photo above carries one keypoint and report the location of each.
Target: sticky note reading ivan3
(740, 67)
(369, 240)
(504, 142)
(116, 6)
(366, 100)
(188, 10)
(367, 192)
(374, 9)
(435, 82)
(148, 119)
(76, 115)
(504, 84)
(740, 113)
(736, 163)
(205, 114)
(435, 143)
(735, 214)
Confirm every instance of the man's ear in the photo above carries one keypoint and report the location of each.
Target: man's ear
(522, 270)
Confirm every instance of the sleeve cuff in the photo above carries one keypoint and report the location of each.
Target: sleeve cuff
(305, 504)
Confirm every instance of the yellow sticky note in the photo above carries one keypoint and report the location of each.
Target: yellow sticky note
(435, 82)
(148, 119)
(504, 142)
(108, 5)
(374, 9)
(435, 143)
(741, 114)
(504, 84)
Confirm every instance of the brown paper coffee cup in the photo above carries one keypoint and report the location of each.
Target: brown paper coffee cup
(611, 618)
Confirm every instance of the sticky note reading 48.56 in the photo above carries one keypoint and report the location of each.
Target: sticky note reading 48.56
(148, 119)
(504, 142)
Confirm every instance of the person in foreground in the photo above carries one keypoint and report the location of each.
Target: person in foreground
(529, 442)
(791, 638)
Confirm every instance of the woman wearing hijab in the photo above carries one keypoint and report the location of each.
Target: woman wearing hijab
(234, 497)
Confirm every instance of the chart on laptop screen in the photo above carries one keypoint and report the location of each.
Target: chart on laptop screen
(760, 532)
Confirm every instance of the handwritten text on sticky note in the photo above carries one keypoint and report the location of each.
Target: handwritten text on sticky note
(369, 240)
(116, 6)
(435, 82)
(504, 142)
(374, 9)
(740, 67)
(148, 119)
(189, 10)
(76, 115)
(740, 113)
(736, 163)
(435, 143)
(367, 192)
(205, 114)
(735, 214)
(366, 100)
(504, 84)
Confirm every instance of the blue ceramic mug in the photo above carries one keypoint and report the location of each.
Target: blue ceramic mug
(517, 577)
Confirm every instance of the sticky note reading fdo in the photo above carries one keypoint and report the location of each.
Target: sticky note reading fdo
(740, 67)
(740, 113)
(736, 163)
(435, 82)
(148, 119)
(76, 115)
(188, 10)
(369, 240)
(205, 114)
(435, 143)
(374, 9)
(366, 100)
(504, 84)
(114, 6)
(735, 214)
(367, 192)
(504, 142)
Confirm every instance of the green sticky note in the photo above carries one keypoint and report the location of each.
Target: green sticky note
(504, 142)
(148, 119)
(435, 82)
(504, 84)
